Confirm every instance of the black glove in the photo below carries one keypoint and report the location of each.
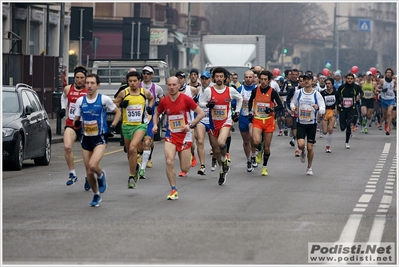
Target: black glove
(111, 131)
(196, 98)
(149, 110)
(124, 104)
(77, 124)
(62, 113)
(157, 103)
(250, 117)
(384, 90)
(210, 104)
(234, 117)
(268, 110)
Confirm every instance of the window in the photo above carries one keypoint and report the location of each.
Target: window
(34, 38)
(28, 99)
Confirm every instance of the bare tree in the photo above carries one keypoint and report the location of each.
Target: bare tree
(299, 19)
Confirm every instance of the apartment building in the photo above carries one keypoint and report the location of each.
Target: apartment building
(34, 29)
(170, 25)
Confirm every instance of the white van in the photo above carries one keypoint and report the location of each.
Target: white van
(113, 72)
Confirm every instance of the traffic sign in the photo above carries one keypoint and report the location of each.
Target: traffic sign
(296, 60)
(364, 25)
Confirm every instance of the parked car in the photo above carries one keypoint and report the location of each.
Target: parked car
(26, 127)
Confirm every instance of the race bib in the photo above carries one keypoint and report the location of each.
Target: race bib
(245, 108)
(219, 112)
(176, 123)
(368, 94)
(306, 113)
(134, 113)
(90, 128)
(261, 109)
(330, 100)
(347, 102)
(71, 111)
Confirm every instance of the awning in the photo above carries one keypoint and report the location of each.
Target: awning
(179, 36)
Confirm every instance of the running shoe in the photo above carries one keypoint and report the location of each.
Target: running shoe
(193, 161)
(211, 152)
(72, 179)
(136, 175)
(142, 174)
(86, 186)
(366, 130)
(173, 195)
(249, 166)
(364, 122)
(222, 178)
(102, 184)
(182, 174)
(130, 183)
(264, 171)
(214, 164)
(387, 131)
(353, 128)
(292, 143)
(139, 158)
(149, 164)
(328, 149)
(286, 132)
(225, 166)
(96, 201)
(280, 133)
(309, 171)
(303, 155)
(347, 146)
(254, 163)
(228, 157)
(321, 135)
(259, 156)
(202, 170)
(297, 152)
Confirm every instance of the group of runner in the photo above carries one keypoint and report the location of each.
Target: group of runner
(299, 102)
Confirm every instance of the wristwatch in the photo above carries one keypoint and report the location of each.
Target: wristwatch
(192, 126)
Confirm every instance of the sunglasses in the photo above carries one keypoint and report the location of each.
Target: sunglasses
(147, 73)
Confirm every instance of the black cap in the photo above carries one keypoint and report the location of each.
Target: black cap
(194, 70)
(180, 73)
(308, 75)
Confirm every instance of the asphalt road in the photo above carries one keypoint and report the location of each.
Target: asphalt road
(250, 220)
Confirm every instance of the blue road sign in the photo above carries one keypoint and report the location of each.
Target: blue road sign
(364, 25)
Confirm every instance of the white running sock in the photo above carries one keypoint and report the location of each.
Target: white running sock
(145, 157)
(329, 139)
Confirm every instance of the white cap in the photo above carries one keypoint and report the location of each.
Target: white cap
(148, 68)
(369, 73)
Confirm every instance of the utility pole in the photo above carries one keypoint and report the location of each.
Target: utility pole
(60, 68)
(282, 40)
(188, 34)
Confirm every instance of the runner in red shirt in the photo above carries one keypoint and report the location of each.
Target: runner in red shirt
(179, 132)
(68, 105)
(218, 99)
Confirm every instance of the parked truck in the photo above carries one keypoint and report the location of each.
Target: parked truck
(237, 53)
